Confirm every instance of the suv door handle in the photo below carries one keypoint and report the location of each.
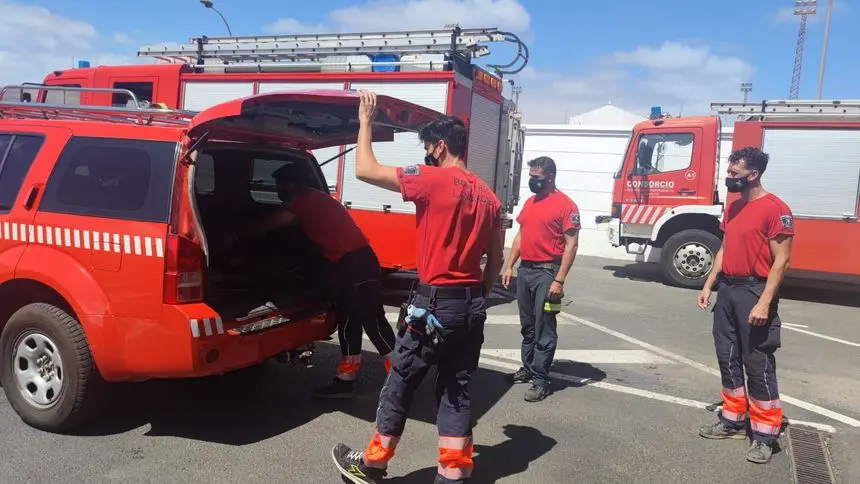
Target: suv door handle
(31, 198)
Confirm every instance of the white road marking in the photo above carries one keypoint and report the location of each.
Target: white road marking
(643, 393)
(699, 366)
(822, 336)
(795, 325)
(611, 357)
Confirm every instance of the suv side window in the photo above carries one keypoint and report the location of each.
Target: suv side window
(114, 178)
(17, 153)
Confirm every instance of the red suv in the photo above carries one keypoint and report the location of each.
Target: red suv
(115, 223)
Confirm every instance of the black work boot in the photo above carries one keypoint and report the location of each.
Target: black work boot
(521, 376)
(351, 464)
(721, 431)
(537, 392)
(337, 388)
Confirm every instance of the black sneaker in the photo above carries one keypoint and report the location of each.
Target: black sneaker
(336, 389)
(521, 376)
(350, 463)
(537, 392)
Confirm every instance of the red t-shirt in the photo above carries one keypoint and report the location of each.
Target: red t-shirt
(748, 228)
(327, 223)
(543, 224)
(457, 215)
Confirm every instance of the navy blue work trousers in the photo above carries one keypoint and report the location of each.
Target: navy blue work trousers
(539, 328)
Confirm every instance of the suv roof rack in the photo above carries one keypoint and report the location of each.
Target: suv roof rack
(134, 112)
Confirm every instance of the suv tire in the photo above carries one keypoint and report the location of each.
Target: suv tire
(695, 250)
(61, 361)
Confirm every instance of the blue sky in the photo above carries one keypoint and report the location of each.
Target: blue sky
(678, 54)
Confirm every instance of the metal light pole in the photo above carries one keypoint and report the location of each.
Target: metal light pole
(824, 52)
(746, 87)
(803, 9)
(209, 4)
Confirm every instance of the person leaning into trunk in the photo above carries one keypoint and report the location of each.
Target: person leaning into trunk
(458, 220)
(748, 269)
(546, 241)
(357, 271)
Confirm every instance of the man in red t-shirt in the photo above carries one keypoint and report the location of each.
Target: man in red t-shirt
(359, 294)
(547, 243)
(749, 269)
(458, 221)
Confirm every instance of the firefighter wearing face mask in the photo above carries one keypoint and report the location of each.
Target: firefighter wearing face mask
(748, 270)
(547, 243)
(458, 221)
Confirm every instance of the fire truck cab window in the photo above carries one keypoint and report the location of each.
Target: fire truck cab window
(72, 98)
(664, 152)
(17, 153)
(143, 91)
(113, 178)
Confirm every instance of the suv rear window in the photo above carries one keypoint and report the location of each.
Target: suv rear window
(114, 178)
(17, 153)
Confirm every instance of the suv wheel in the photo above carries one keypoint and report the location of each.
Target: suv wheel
(47, 369)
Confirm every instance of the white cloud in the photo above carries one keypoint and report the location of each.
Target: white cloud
(34, 41)
(678, 77)
(414, 14)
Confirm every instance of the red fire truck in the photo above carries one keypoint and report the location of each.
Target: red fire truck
(431, 68)
(668, 196)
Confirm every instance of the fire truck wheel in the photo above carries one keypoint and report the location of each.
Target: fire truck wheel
(48, 372)
(688, 257)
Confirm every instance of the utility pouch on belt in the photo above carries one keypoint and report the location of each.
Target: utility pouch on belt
(552, 306)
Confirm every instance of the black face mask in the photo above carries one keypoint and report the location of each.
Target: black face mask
(536, 186)
(736, 185)
(431, 160)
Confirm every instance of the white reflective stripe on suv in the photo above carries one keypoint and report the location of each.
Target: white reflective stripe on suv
(83, 239)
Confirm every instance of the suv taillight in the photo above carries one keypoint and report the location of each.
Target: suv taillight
(183, 275)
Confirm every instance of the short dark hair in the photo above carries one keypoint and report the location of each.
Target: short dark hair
(451, 130)
(755, 158)
(545, 163)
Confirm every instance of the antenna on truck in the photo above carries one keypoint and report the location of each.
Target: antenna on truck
(392, 49)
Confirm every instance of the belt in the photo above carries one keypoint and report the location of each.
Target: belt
(451, 292)
(742, 280)
(540, 265)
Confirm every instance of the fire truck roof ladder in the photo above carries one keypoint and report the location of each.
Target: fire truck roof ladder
(790, 108)
(134, 112)
(329, 49)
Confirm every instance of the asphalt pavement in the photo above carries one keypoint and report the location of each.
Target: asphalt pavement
(634, 381)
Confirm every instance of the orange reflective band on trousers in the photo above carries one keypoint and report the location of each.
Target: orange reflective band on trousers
(348, 367)
(387, 363)
(380, 450)
(455, 457)
(734, 404)
(766, 416)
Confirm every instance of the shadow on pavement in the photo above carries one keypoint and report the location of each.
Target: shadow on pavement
(792, 289)
(495, 462)
(261, 402)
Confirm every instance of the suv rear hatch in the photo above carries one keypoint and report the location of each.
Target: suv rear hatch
(246, 139)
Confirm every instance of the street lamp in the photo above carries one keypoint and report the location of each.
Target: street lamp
(211, 5)
(824, 53)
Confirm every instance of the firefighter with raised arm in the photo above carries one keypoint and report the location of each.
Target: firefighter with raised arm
(547, 243)
(442, 323)
(748, 270)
